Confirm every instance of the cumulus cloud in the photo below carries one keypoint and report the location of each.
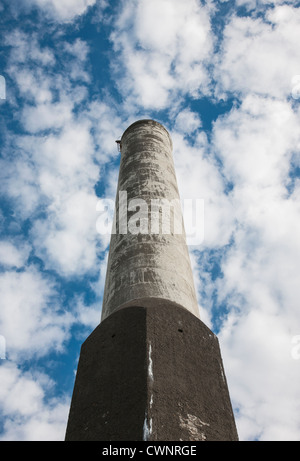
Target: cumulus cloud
(31, 320)
(256, 348)
(154, 67)
(205, 183)
(11, 255)
(28, 416)
(259, 285)
(63, 10)
(260, 55)
(261, 4)
(187, 121)
(57, 173)
(257, 141)
(24, 51)
(57, 159)
(66, 240)
(108, 126)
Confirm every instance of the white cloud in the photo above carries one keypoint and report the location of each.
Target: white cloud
(260, 56)
(46, 116)
(256, 142)
(261, 4)
(22, 402)
(57, 173)
(30, 319)
(11, 256)
(154, 67)
(88, 316)
(259, 285)
(256, 348)
(55, 169)
(204, 182)
(25, 51)
(108, 126)
(187, 121)
(63, 10)
(67, 238)
(44, 82)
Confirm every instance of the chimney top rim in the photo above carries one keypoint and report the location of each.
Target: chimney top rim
(145, 121)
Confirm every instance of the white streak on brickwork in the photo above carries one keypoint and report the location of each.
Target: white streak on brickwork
(222, 373)
(150, 364)
(147, 428)
(194, 426)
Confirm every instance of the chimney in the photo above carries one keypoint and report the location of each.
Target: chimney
(151, 370)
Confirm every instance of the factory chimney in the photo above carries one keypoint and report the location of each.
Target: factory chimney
(151, 370)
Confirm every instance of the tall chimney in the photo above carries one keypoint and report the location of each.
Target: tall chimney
(151, 370)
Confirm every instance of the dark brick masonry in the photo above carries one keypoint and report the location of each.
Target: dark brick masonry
(152, 373)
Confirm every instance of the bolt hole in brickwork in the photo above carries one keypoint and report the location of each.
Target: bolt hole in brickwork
(113, 335)
(180, 330)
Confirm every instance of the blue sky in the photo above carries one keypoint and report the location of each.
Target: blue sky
(224, 78)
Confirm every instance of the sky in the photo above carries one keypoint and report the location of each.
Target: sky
(224, 78)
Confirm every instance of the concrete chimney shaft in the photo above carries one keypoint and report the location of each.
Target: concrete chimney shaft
(147, 259)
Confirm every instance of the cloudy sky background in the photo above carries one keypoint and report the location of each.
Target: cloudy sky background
(224, 78)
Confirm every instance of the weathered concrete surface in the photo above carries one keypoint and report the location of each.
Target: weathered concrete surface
(152, 373)
(152, 263)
